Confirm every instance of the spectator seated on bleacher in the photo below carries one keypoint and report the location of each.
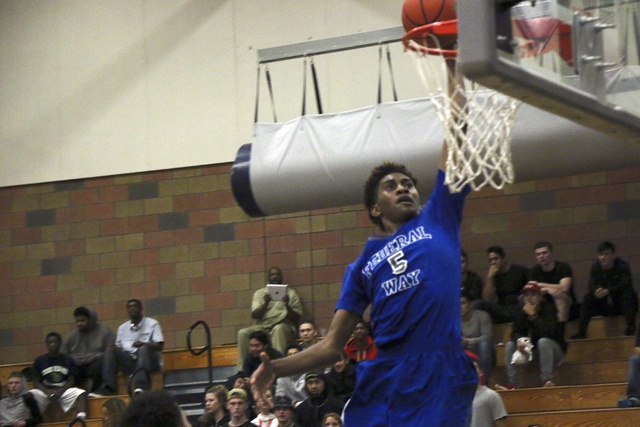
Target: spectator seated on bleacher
(87, 345)
(477, 334)
(259, 342)
(56, 379)
(488, 407)
(19, 408)
(538, 321)
(112, 409)
(307, 333)
(319, 403)
(238, 405)
(555, 279)
(215, 408)
(501, 294)
(265, 416)
(610, 291)
(285, 412)
(361, 346)
(139, 343)
(471, 281)
(277, 318)
(341, 378)
(292, 387)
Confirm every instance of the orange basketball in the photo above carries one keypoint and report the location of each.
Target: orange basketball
(416, 13)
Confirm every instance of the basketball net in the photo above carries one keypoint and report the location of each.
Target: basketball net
(478, 130)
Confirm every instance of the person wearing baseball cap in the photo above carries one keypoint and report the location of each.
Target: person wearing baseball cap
(238, 405)
(284, 411)
(320, 401)
(537, 320)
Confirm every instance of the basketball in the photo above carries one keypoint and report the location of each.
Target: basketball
(416, 13)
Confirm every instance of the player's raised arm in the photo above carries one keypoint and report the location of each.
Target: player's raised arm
(324, 354)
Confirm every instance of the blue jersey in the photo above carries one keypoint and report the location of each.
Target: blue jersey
(412, 278)
(412, 282)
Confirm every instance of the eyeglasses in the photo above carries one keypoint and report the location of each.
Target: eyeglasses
(494, 258)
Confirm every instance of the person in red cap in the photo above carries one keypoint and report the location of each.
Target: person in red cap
(488, 407)
(538, 321)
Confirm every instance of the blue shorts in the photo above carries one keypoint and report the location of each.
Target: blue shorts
(414, 387)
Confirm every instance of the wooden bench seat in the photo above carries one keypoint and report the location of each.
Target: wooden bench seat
(563, 398)
(579, 418)
(591, 350)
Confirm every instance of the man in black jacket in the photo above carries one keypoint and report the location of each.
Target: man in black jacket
(537, 320)
(319, 403)
(610, 291)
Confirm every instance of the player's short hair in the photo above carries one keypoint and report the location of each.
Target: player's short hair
(371, 186)
(496, 250)
(606, 246)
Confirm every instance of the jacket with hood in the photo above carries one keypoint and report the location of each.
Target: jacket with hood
(83, 346)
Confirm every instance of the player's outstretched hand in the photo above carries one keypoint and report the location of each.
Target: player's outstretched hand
(262, 378)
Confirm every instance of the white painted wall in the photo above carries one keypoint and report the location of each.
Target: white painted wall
(102, 87)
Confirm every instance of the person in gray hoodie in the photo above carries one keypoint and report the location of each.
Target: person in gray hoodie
(87, 345)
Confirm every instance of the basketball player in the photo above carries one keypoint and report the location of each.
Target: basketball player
(410, 276)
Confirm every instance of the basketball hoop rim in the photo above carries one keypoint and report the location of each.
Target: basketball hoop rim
(441, 28)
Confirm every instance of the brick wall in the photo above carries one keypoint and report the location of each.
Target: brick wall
(177, 240)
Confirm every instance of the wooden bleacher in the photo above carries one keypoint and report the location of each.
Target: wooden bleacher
(589, 382)
(175, 359)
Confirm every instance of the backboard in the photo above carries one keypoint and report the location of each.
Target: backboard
(575, 58)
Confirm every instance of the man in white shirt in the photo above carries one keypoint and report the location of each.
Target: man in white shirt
(139, 343)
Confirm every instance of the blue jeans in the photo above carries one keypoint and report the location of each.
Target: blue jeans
(484, 350)
(633, 389)
(547, 352)
(118, 359)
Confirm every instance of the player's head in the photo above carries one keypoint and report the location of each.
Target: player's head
(372, 188)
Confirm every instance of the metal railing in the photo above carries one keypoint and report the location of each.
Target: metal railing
(206, 348)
